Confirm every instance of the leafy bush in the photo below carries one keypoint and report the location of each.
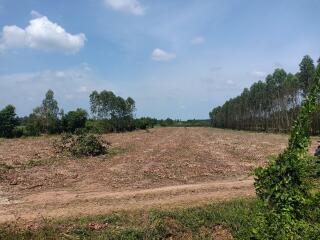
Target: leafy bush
(81, 145)
(284, 186)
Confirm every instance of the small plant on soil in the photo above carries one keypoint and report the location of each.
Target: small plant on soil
(82, 144)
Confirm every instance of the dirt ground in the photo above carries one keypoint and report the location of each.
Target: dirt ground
(163, 167)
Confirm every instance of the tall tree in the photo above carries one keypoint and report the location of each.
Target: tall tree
(118, 111)
(307, 74)
(270, 105)
(48, 114)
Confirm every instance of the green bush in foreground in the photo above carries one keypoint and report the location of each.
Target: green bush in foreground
(81, 145)
(285, 186)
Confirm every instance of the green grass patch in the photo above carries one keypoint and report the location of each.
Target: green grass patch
(237, 217)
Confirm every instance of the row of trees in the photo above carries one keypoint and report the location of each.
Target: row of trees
(270, 105)
(110, 113)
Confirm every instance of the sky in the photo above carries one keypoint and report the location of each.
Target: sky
(175, 58)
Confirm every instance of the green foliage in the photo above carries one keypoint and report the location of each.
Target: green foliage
(33, 125)
(284, 185)
(106, 105)
(180, 123)
(8, 122)
(45, 118)
(270, 105)
(144, 123)
(118, 111)
(81, 145)
(74, 120)
(306, 74)
(98, 126)
(48, 113)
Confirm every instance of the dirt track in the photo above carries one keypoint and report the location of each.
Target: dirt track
(164, 167)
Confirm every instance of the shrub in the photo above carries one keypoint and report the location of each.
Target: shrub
(81, 145)
(284, 186)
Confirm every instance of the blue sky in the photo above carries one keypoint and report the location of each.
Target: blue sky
(176, 58)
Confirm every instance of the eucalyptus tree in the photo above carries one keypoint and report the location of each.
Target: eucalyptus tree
(285, 187)
(306, 74)
(270, 105)
(45, 118)
(114, 110)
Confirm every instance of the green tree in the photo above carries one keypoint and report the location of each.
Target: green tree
(117, 111)
(74, 120)
(307, 74)
(284, 185)
(45, 118)
(8, 121)
(270, 105)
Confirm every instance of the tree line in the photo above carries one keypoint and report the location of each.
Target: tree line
(270, 105)
(110, 113)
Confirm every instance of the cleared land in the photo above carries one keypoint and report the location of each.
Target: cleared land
(165, 167)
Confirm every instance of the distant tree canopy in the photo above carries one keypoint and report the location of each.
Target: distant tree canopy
(118, 111)
(270, 105)
(110, 113)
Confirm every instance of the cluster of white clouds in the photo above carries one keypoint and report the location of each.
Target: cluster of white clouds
(41, 34)
(70, 86)
(162, 56)
(129, 6)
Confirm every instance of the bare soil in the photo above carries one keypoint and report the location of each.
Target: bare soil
(163, 167)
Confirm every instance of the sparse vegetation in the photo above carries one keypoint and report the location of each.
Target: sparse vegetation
(234, 218)
(228, 220)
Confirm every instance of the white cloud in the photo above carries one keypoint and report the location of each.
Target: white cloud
(71, 86)
(130, 6)
(258, 74)
(198, 40)
(36, 14)
(41, 34)
(161, 55)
